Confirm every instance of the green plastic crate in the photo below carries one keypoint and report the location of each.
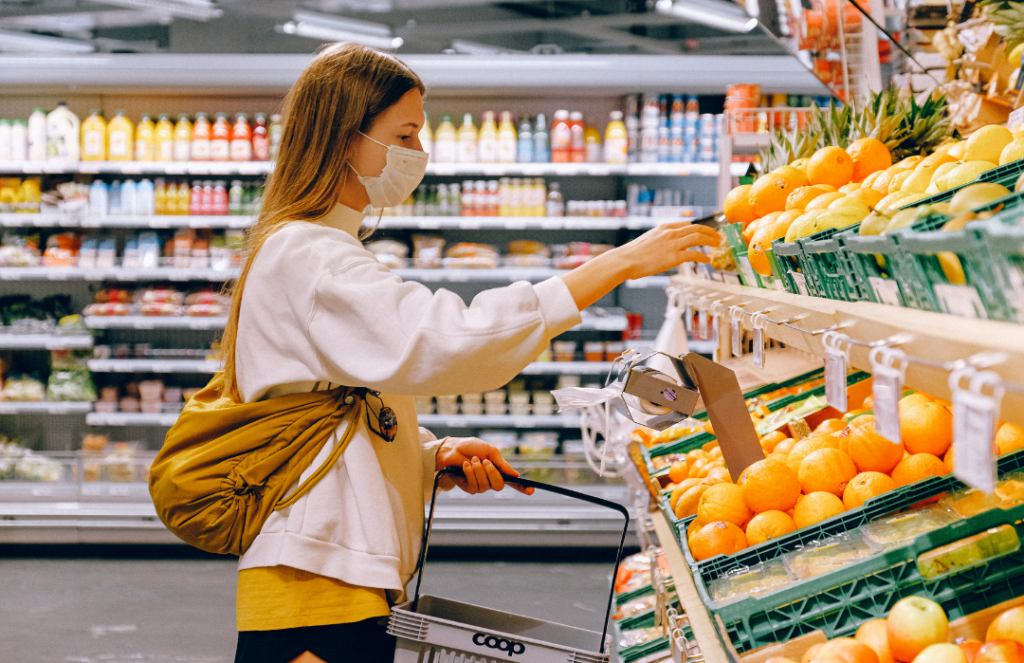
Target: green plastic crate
(734, 236)
(823, 263)
(786, 268)
(1006, 175)
(838, 602)
(1005, 244)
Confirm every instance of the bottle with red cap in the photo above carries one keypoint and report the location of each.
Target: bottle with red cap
(241, 139)
(577, 144)
(561, 138)
(220, 139)
(260, 139)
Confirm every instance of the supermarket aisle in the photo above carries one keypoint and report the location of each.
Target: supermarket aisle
(164, 611)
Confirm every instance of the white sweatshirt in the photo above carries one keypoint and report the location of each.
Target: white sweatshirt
(319, 308)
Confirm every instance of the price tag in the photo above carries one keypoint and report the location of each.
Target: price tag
(800, 281)
(1017, 116)
(688, 318)
(837, 359)
(748, 272)
(974, 425)
(737, 335)
(886, 291)
(961, 300)
(779, 286)
(717, 337)
(702, 324)
(887, 366)
(758, 347)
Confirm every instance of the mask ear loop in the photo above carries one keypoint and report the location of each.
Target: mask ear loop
(364, 233)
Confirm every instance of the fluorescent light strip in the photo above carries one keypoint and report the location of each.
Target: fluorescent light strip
(196, 10)
(334, 34)
(721, 15)
(25, 42)
(345, 24)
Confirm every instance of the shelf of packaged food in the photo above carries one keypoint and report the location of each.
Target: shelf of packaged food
(45, 407)
(501, 421)
(937, 338)
(39, 220)
(45, 341)
(154, 322)
(164, 419)
(154, 365)
(568, 368)
(114, 274)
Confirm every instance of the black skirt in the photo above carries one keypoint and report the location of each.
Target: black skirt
(363, 642)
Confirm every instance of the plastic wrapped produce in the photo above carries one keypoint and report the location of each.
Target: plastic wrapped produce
(160, 302)
(23, 389)
(19, 250)
(207, 304)
(73, 383)
(110, 302)
(819, 557)
(756, 580)
(895, 530)
(972, 551)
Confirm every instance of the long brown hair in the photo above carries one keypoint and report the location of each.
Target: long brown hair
(342, 91)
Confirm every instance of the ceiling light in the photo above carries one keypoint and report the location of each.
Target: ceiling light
(331, 28)
(466, 47)
(195, 10)
(722, 15)
(27, 42)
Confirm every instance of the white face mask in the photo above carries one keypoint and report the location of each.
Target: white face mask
(401, 175)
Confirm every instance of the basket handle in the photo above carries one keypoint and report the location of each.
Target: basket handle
(527, 483)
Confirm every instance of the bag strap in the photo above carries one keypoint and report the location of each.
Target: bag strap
(313, 479)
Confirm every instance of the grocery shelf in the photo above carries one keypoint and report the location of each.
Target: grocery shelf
(154, 365)
(500, 421)
(38, 220)
(568, 368)
(131, 418)
(936, 337)
(154, 322)
(45, 341)
(166, 221)
(114, 274)
(45, 407)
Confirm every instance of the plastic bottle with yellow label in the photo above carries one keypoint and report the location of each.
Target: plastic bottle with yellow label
(94, 137)
(120, 138)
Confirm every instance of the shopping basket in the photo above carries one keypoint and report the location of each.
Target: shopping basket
(430, 629)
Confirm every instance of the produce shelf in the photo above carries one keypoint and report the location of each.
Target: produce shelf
(154, 366)
(154, 322)
(165, 420)
(500, 421)
(45, 407)
(40, 220)
(45, 342)
(114, 274)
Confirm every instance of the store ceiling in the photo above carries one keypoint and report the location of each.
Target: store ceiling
(601, 27)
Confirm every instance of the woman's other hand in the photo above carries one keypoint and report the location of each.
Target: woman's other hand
(481, 464)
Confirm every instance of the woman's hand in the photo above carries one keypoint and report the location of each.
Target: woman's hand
(481, 464)
(658, 250)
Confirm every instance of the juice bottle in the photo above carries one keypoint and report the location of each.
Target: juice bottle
(507, 141)
(260, 139)
(467, 140)
(561, 138)
(241, 139)
(578, 150)
(163, 137)
(524, 153)
(145, 139)
(201, 132)
(120, 138)
(195, 199)
(160, 196)
(94, 137)
(541, 148)
(426, 136)
(206, 203)
(183, 138)
(63, 135)
(592, 143)
(275, 131)
(183, 198)
(221, 205)
(445, 141)
(220, 139)
(487, 143)
(616, 140)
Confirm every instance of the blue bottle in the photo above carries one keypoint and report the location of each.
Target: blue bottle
(114, 197)
(99, 204)
(541, 148)
(524, 153)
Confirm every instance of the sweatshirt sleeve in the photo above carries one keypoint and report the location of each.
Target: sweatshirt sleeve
(430, 445)
(371, 329)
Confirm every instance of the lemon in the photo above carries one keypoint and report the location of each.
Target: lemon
(907, 217)
(851, 204)
(892, 201)
(1014, 150)
(962, 174)
(951, 267)
(986, 143)
(1013, 57)
(896, 183)
(802, 225)
(873, 224)
(974, 196)
(918, 180)
(957, 151)
(911, 162)
(849, 188)
(946, 146)
(945, 168)
(824, 200)
(833, 219)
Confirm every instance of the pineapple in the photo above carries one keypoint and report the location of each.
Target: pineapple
(1008, 18)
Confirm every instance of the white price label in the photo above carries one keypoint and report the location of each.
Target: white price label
(1016, 275)
(717, 338)
(800, 281)
(835, 379)
(1017, 116)
(886, 291)
(688, 318)
(886, 390)
(974, 417)
(779, 286)
(759, 348)
(702, 324)
(748, 271)
(737, 337)
(961, 300)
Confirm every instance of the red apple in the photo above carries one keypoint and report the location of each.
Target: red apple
(848, 650)
(914, 623)
(941, 653)
(872, 633)
(970, 648)
(1008, 626)
(1001, 651)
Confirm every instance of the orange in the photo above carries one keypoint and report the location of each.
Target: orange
(870, 451)
(807, 445)
(686, 505)
(881, 183)
(782, 458)
(795, 175)
(785, 447)
(697, 465)
(762, 241)
(869, 403)
(768, 525)
(802, 196)
(816, 507)
(771, 440)
(865, 486)
(830, 165)
(769, 485)
(692, 529)
(934, 160)
(1009, 437)
(769, 193)
(737, 207)
(720, 474)
(869, 196)
(863, 420)
(913, 399)
(708, 428)
(754, 225)
(713, 444)
(947, 460)
(917, 467)
(827, 470)
(926, 428)
(869, 155)
(827, 187)
(717, 538)
(830, 426)
(678, 471)
(824, 200)
(678, 491)
(723, 501)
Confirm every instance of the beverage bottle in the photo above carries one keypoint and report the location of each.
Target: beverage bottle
(561, 138)
(129, 198)
(120, 138)
(241, 139)
(144, 203)
(275, 131)
(145, 139)
(444, 201)
(201, 134)
(114, 198)
(98, 205)
(163, 138)
(5, 140)
(183, 139)
(516, 205)
(37, 135)
(468, 200)
(555, 203)
(445, 141)
(487, 143)
(235, 196)
(592, 144)
(260, 139)
(427, 136)
(63, 135)
(540, 197)
(454, 200)
(631, 119)
(677, 118)
(195, 199)
(220, 139)
(220, 204)
(664, 141)
(206, 202)
(19, 141)
(616, 140)
(419, 206)
(184, 197)
(541, 148)
(467, 145)
(94, 137)
(577, 150)
(507, 141)
(159, 197)
(524, 150)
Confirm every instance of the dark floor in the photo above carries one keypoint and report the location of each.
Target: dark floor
(182, 611)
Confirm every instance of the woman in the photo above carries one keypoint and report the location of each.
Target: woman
(313, 310)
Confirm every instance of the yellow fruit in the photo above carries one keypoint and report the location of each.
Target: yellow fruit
(896, 183)
(1014, 150)
(797, 176)
(974, 196)
(823, 201)
(957, 151)
(892, 201)
(850, 188)
(1009, 437)
(910, 162)
(769, 486)
(869, 155)
(952, 269)
(723, 502)
(987, 143)
(830, 165)
(962, 174)
(802, 196)
(1013, 57)
(827, 470)
(945, 168)
(918, 180)
(737, 207)
(768, 525)
(802, 226)
(881, 184)
(869, 196)
(935, 160)
(768, 194)
(852, 204)
(816, 507)
(870, 179)
(873, 224)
